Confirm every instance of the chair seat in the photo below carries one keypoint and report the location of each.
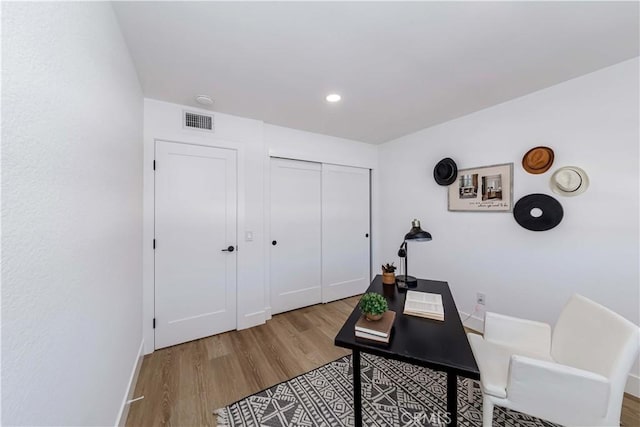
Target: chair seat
(493, 361)
(574, 375)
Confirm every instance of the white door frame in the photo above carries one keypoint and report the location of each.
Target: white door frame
(267, 215)
(148, 223)
(173, 327)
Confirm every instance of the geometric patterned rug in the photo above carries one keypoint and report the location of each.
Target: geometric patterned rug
(393, 394)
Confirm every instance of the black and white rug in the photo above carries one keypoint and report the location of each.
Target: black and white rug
(393, 394)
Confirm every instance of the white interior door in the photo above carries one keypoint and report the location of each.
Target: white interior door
(345, 231)
(295, 256)
(195, 220)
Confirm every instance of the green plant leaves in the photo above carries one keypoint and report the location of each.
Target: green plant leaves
(373, 303)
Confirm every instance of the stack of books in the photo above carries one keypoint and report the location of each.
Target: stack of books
(424, 304)
(378, 331)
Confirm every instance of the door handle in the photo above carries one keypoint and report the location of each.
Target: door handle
(366, 235)
(229, 249)
(275, 242)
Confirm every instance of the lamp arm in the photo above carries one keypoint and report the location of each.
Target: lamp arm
(406, 262)
(402, 253)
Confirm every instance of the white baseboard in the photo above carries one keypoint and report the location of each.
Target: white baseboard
(131, 387)
(474, 322)
(251, 319)
(267, 313)
(633, 385)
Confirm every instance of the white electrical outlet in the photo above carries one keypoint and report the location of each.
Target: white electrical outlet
(480, 298)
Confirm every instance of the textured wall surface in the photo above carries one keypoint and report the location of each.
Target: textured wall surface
(72, 214)
(591, 122)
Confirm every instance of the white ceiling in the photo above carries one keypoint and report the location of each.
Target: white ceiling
(399, 67)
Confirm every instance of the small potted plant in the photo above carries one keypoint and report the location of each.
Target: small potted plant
(373, 306)
(389, 274)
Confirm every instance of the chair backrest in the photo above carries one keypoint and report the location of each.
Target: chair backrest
(589, 336)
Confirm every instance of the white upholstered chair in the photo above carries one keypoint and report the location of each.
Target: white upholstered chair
(575, 376)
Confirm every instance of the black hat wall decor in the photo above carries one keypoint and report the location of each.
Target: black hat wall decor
(538, 212)
(445, 172)
(538, 160)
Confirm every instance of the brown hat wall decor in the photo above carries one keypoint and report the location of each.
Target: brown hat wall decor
(538, 160)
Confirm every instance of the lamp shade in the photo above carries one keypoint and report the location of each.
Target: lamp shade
(417, 233)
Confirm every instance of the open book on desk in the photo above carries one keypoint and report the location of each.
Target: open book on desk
(424, 304)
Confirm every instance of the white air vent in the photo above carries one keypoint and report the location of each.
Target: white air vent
(197, 121)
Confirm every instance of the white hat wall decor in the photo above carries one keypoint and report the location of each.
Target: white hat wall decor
(569, 181)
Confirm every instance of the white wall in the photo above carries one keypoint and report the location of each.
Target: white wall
(301, 145)
(163, 121)
(72, 215)
(254, 141)
(591, 122)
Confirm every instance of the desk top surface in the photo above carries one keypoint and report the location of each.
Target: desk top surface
(440, 345)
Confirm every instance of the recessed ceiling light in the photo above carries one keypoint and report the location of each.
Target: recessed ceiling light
(333, 97)
(204, 100)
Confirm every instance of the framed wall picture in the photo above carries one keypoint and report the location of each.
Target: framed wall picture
(483, 189)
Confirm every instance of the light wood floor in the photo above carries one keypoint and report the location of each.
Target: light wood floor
(183, 384)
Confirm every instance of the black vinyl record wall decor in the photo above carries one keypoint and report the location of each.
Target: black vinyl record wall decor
(538, 212)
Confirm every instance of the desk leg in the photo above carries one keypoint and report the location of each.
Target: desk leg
(357, 390)
(452, 398)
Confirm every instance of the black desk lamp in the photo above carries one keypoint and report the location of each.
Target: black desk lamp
(419, 235)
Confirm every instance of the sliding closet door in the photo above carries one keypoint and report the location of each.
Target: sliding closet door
(345, 231)
(295, 264)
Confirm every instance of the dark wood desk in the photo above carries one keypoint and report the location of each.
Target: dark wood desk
(441, 346)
